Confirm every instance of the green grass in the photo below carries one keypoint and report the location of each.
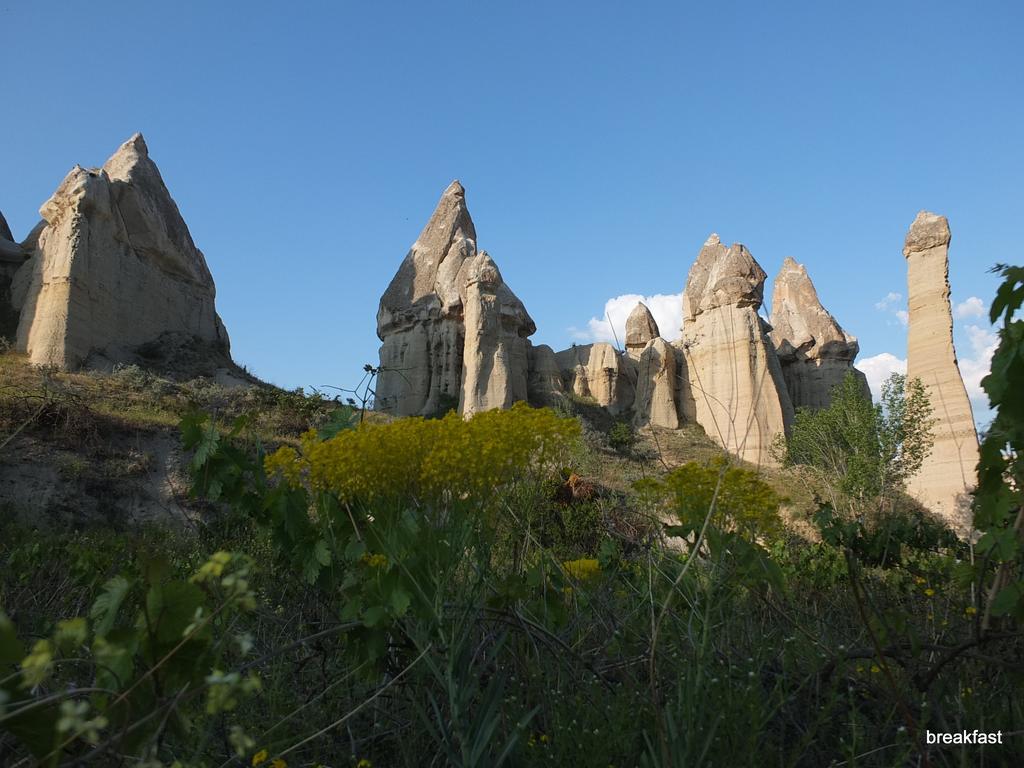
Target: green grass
(486, 650)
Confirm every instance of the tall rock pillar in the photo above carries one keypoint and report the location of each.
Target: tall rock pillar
(950, 472)
(738, 390)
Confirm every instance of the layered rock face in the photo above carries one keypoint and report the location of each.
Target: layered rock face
(816, 354)
(739, 394)
(600, 372)
(452, 332)
(949, 473)
(113, 268)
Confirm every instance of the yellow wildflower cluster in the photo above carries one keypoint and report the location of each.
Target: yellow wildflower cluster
(429, 460)
(582, 570)
(374, 561)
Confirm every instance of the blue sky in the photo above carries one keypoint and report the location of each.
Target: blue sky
(600, 143)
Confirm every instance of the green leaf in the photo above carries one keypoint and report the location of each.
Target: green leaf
(341, 419)
(322, 553)
(354, 550)
(1010, 600)
(206, 446)
(171, 608)
(108, 603)
(399, 601)
(11, 649)
(114, 662)
(374, 615)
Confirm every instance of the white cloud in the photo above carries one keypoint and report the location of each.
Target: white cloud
(892, 303)
(975, 367)
(666, 308)
(880, 367)
(888, 301)
(970, 307)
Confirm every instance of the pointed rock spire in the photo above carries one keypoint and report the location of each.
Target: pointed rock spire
(453, 333)
(949, 472)
(814, 351)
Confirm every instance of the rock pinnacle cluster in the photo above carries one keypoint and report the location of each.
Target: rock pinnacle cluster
(454, 335)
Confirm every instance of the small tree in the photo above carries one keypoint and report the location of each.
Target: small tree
(864, 452)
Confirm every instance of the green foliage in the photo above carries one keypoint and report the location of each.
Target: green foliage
(999, 502)
(864, 451)
(727, 508)
(622, 438)
(150, 645)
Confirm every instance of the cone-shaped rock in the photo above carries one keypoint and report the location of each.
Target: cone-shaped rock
(420, 316)
(948, 473)
(113, 268)
(640, 329)
(815, 352)
(655, 402)
(544, 384)
(453, 333)
(739, 394)
(495, 361)
(600, 372)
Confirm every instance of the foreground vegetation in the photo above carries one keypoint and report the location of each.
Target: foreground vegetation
(441, 592)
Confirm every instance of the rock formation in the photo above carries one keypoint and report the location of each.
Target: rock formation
(544, 383)
(452, 332)
(738, 390)
(949, 472)
(641, 328)
(814, 351)
(598, 371)
(12, 256)
(113, 268)
(494, 360)
(655, 402)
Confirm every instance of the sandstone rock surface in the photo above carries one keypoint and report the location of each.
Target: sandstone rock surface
(113, 268)
(494, 361)
(641, 328)
(739, 394)
(814, 351)
(452, 333)
(598, 371)
(655, 402)
(544, 383)
(420, 316)
(949, 472)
